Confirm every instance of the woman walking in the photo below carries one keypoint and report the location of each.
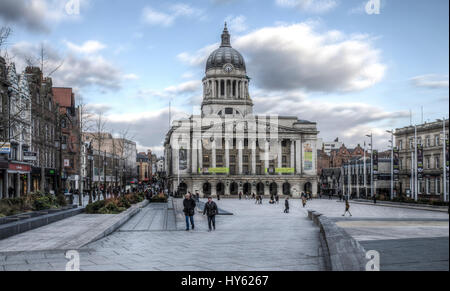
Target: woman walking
(304, 201)
(347, 208)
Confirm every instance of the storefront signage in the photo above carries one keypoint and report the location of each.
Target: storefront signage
(5, 148)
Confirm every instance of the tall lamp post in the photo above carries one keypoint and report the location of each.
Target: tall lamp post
(371, 163)
(392, 161)
(444, 142)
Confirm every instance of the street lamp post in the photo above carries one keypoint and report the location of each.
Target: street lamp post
(392, 161)
(416, 181)
(371, 163)
(444, 142)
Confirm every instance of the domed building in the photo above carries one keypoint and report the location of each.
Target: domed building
(227, 149)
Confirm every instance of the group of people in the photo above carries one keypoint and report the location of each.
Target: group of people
(210, 210)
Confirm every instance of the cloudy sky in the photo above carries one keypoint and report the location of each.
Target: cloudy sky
(321, 60)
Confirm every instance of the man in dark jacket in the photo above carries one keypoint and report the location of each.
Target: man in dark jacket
(286, 205)
(189, 211)
(211, 211)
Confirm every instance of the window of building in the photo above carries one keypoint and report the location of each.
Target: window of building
(219, 159)
(245, 169)
(428, 142)
(437, 139)
(233, 159)
(438, 186)
(284, 160)
(411, 144)
(437, 162)
(228, 111)
(205, 159)
(428, 186)
(428, 163)
(245, 159)
(400, 144)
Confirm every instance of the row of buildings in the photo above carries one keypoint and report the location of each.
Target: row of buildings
(42, 146)
(349, 171)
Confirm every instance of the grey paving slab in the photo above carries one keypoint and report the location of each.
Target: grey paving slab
(413, 254)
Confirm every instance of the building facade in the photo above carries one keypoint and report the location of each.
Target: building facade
(69, 127)
(45, 136)
(16, 132)
(430, 137)
(226, 149)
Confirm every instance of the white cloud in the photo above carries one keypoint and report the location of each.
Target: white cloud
(312, 6)
(186, 87)
(76, 71)
(297, 56)
(154, 17)
(431, 81)
(131, 77)
(88, 47)
(37, 15)
(237, 23)
(351, 120)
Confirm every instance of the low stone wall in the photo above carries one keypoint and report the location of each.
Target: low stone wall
(106, 228)
(26, 222)
(344, 252)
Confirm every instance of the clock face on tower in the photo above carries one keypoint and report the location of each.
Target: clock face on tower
(228, 68)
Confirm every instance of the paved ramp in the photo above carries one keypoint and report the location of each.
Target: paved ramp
(155, 217)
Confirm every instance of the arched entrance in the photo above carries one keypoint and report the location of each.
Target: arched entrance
(287, 189)
(206, 189)
(247, 189)
(260, 188)
(220, 189)
(308, 188)
(234, 188)
(182, 189)
(273, 188)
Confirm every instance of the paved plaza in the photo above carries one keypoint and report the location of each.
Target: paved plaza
(255, 238)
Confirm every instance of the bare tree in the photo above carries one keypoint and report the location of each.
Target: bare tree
(99, 139)
(43, 60)
(121, 149)
(85, 124)
(5, 33)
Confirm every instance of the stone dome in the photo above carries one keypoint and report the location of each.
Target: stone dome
(225, 54)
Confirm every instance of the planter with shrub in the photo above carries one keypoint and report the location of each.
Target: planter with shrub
(33, 202)
(161, 198)
(114, 205)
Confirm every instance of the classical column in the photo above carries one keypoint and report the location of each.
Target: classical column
(200, 154)
(213, 158)
(240, 147)
(227, 153)
(194, 156)
(280, 155)
(266, 156)
(253, 156)
(292, 164)
(298, 153)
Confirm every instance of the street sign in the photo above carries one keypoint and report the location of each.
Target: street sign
(29, 156)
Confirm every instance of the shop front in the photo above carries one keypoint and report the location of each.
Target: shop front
(18, 179)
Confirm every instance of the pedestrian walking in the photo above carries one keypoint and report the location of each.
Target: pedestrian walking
(240, 195)
(189, 211)
(286, 205)
(304, 200)
(211, 211)
(374, 199)
(347, 208)
(277, 199)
